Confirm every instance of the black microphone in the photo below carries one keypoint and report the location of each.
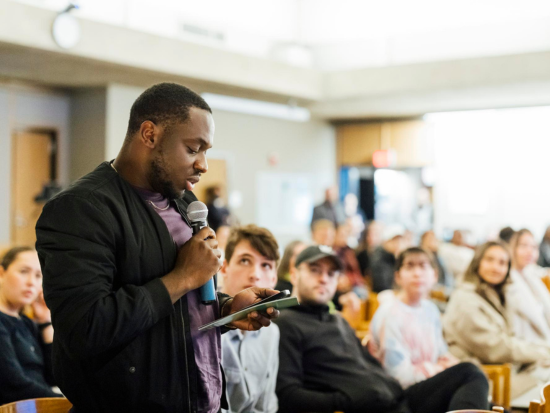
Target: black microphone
(197, 214)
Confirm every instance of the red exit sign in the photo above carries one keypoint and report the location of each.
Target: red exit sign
(384, 158)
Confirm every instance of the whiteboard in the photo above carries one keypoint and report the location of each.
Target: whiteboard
(284, 202)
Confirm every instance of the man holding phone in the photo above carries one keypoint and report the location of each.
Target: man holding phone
(122, 270)
(250, 358)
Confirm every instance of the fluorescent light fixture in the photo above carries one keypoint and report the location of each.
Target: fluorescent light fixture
(257, 107)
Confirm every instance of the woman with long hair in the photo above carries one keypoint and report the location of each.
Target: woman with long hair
(287, 262)
(478, 321)
(25, 345)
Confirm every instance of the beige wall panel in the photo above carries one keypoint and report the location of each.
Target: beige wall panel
(357, 143)
(412, 142)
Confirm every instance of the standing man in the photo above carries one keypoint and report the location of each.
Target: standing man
(122, 270)
(330, 209)
(250, 359)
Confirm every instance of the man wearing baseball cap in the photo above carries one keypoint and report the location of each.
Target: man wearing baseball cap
(322, 365)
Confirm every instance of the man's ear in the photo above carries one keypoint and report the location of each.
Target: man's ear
(149, 134)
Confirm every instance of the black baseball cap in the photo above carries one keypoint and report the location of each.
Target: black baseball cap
(317, 252)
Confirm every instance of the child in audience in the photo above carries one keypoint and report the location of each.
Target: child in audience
(528, 293)
(477, 323)
(25, 346)
(406, 332)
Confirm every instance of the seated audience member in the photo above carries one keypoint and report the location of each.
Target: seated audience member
(371, 240)
(528, 294)
(544, 249)
(250, 359)
(355, 217)
(352, 273)
(218, 214)
(383, 258)
(323, 232)
(25, 346)
(430, 243)
(222, 235)
(505, 235)
(324, 368)
(287, 262)
(456, 255)
(406, 333)
(331, 209)
(477, 321)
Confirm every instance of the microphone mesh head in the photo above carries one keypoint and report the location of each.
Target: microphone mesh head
(197, 211)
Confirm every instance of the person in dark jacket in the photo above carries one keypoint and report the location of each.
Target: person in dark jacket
(218, 214)
(122, 270)
(383, 258)
(324, 368)
(25, 345)
(331, 209)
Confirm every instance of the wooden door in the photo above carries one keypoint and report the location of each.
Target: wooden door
(216, 175)
(30, 171)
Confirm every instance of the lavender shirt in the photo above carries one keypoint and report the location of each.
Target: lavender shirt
(207, 344)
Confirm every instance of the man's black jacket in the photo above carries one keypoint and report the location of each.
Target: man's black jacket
(119, 343)
(324, 368)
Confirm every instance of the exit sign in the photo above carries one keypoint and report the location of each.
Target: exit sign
(384, 158)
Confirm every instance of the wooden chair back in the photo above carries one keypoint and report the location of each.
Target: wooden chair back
(44, 405)
(495, 409)
(355, 318)
(372, 305)
(535, 407)
(499, 375)
(544, 398)
(546, 281)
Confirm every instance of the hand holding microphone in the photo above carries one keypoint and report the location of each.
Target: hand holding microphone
(197, 213)
(197, 262)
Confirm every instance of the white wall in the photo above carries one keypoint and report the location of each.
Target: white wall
(23, 108)
(245, 142)
(88, 112)
(492, 170)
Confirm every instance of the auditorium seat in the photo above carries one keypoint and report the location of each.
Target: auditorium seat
(536, 407)
(499, 376)
(495, 409)
(544, 397)
(44, 405)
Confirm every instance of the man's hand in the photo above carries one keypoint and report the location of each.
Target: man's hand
(198, 260)
(255, 320)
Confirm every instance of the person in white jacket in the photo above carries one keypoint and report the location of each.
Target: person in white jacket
(528, 293)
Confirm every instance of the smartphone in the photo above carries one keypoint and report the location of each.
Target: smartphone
(274, 297)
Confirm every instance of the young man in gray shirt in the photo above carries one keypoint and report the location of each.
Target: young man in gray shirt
(250, 359)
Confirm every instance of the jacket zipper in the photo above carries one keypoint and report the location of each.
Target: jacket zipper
(185, 353)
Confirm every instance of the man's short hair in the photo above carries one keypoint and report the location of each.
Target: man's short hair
(163, 104)
(261, 239)
(506, 234)
(414, 251)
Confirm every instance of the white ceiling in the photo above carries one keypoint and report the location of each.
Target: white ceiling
(337, 35)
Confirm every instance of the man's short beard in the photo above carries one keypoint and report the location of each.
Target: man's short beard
(159, 180)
